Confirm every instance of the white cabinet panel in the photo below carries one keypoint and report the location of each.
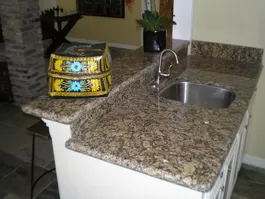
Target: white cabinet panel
(243, 139)
(231, 167)
(217, 190)
(224, 185)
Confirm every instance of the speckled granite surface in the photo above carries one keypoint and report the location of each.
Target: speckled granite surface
(183, 144)
(126, 67)
(227, 51)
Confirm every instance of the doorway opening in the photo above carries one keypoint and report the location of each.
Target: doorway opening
(166, 8)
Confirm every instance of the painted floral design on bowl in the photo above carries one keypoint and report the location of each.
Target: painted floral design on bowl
(63, 85)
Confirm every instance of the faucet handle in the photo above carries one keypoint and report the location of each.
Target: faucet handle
(166, 74)
(169, 68)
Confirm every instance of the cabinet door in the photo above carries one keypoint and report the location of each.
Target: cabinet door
(242, 148)
(225, 183)
(218, 194)
(243, 139)
(231, 173)
(218, 190)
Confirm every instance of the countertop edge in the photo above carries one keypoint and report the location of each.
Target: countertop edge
(65, 119)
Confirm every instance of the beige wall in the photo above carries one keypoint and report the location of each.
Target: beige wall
(46, 4)
(239, 22)
(233, 22)
(113, 30)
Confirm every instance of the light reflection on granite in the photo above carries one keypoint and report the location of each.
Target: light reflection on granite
(126, 67)
(227, 51)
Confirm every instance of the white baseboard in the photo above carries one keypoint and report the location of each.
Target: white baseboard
(254, 161)
(132, 47)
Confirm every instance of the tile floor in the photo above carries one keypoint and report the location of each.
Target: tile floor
(250, 184)
(15, 155)
(15, 178)
(15, 150)
(14, 137)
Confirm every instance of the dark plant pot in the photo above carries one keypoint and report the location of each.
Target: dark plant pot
(154, 41)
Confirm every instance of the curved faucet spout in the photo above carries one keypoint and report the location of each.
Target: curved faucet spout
(159, 72)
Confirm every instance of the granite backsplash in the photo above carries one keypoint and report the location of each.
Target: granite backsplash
(227, 51)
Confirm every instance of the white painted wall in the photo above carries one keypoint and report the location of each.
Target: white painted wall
(46, 4)
(238, 22)
(183, 11)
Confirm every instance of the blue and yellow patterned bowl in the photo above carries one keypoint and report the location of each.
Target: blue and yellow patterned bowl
(80, 70)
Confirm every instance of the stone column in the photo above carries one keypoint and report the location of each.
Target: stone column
(23, 48)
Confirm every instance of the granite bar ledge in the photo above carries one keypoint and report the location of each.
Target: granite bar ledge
(127, 66)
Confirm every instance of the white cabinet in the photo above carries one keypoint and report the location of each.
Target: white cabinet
(235, 158)
(218, 190)
(121, 183)
(225, 183)
(231, 169)
(242, 143)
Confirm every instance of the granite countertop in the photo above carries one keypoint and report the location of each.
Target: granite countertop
(126, 66)
(182, 144)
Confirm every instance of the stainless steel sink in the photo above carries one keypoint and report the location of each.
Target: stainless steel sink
(199, 94)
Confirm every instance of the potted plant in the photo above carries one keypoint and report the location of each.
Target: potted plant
(154, 28)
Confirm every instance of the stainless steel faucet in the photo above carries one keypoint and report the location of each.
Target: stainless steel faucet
(159, 72)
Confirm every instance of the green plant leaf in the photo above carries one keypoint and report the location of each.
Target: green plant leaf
(152, 20)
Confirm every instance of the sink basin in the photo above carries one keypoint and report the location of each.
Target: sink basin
(199, 94)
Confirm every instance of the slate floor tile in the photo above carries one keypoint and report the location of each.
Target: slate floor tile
(43, 152)
(13, 139)
(13, 115)
(51, 165)
(2, 194)
(51, 192)
(18, 182)
(237, 197)
(11, 196)
(250, 184)
(8, 163)
(253, 173)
